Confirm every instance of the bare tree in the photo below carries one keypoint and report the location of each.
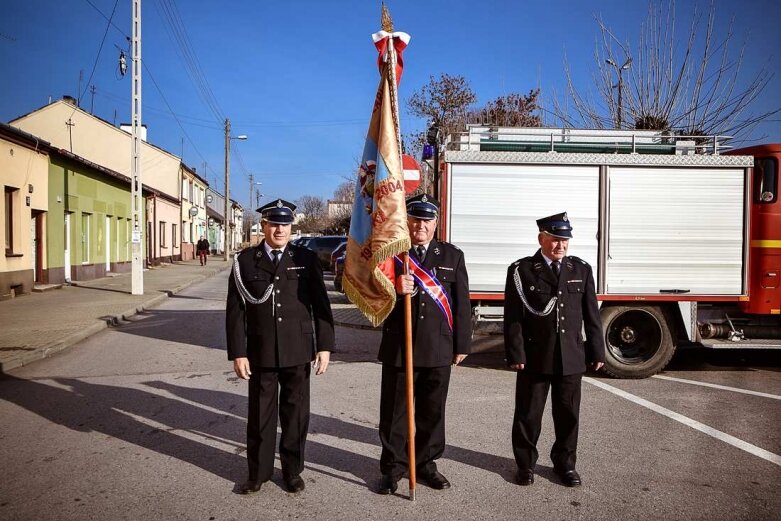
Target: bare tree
(315, 213)
(692, 87)
(445, 101)
(510, 110)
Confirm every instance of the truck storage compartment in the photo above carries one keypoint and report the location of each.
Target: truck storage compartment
(676, 231)
(492, 211)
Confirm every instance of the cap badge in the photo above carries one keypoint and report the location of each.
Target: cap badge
(565, 218)
(279, 203)
(424, 198)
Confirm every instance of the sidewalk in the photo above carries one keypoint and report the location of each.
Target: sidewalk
(38, 325)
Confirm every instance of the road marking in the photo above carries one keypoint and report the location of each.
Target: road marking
(717, 386)
(710, 431)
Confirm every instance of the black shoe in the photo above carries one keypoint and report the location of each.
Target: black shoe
(434, 480)
(295, 484)
(388, 485)
(250, 486)
(525, 477)
(570, 478)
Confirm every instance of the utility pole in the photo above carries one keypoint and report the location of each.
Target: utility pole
(227, 181)
(619, 71)
(92, 89)
(249, 207)
(136, 203)
(227, 184)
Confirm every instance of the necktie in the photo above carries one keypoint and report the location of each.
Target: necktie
(421, 252)
(277, 254)
(556, 267)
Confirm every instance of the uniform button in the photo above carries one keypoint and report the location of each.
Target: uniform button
(563, 330)
(277, 291)
(559, 292)
(423, 304)
(280, 305)
(279, 319)
(421, 317)
(561, 317)
(561, 305)
(276, 278)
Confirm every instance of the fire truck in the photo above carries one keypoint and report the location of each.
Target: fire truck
(683, 234)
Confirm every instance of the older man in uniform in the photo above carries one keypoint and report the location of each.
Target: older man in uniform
(549, 299)
(278, 320)
(441, 330)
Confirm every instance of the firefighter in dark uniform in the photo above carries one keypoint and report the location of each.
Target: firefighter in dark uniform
(549, 299)
(278, 320)
(436, 347)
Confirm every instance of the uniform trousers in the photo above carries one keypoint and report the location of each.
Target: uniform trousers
(284, 392)
(531, 393)
(431, 385)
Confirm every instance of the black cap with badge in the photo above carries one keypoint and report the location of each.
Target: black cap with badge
(277, 212)
(557, 225)
(423, 207)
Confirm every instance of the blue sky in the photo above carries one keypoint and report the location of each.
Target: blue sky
(299, 77)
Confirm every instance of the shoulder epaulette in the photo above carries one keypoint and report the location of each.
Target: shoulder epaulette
(578, 259)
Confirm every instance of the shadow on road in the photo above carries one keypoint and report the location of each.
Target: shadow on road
(164, 324)
(171, 426)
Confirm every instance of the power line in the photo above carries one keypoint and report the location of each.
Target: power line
(178, 32)
(95, 65)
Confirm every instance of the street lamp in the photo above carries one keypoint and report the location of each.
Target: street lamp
(619, 71)
(228, 138)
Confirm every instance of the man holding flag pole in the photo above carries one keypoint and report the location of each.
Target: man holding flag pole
(379, 237)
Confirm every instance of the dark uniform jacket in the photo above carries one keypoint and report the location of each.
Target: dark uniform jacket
(203, 245)
(536, 341)
(295, 321)
(434, 344)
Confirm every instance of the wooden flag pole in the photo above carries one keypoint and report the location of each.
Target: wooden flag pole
(410, 384)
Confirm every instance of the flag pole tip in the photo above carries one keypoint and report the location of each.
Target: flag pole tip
(385, 20)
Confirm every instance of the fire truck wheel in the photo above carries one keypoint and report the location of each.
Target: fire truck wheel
(638, 342)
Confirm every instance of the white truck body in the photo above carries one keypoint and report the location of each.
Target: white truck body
(654, 222)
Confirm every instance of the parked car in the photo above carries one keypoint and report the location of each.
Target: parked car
(324, 246)
(338, 252)
(301, 241)
(339, 273)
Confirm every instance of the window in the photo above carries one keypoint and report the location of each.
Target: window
(9, 220)
(184, 188)
(192, 191)
(765, 180)
(200, 197)
(162, 235)
(85, 229)
(173, 235)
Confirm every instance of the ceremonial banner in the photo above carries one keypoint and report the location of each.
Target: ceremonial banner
(378, 229)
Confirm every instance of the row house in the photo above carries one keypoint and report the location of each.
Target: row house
(194, 215)
(24, 176)
(71, 129)
(215, 212)
(64, 217)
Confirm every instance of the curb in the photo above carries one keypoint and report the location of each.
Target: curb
(356, 326)
(109, 320)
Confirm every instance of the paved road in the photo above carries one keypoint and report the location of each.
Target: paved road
(146, 421)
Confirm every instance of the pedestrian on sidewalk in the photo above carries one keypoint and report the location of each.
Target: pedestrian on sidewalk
(203, 250)
(276, 294)
(549, 298)
(442, 336)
